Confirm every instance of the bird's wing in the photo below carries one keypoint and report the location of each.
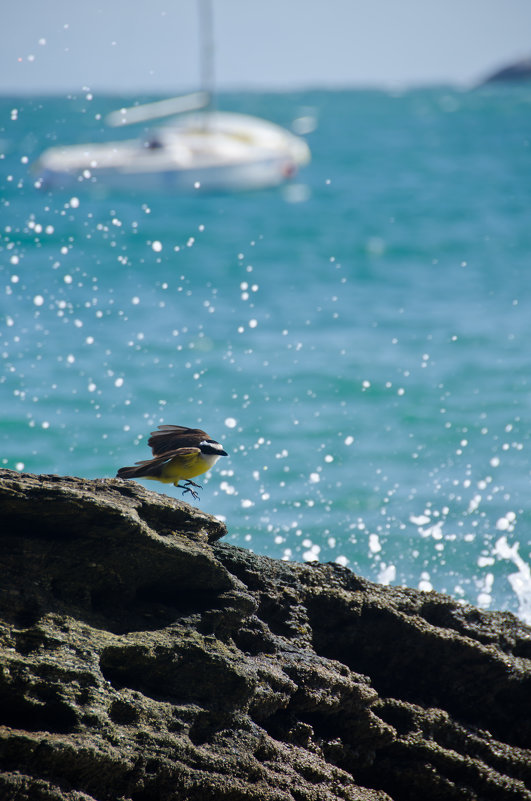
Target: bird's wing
(169, 438)
(165, 428)
(152, 467)
(186, 454)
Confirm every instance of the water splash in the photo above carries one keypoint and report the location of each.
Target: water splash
(520, 581)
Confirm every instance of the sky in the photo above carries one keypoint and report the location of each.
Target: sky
(152, 47)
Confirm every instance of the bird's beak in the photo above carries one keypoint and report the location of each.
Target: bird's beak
(223, 453)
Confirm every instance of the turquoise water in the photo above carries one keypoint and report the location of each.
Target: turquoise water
(359, 340)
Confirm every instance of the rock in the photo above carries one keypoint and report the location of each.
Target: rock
(143, 660)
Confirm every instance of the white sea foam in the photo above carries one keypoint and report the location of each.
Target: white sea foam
(520, 581)
(425, 584)
(484, 586)
(387, 574)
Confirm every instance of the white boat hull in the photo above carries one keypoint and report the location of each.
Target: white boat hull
(203, 152)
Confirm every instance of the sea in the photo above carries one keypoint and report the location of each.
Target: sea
(359, 339)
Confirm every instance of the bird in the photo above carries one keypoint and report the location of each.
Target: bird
(179, 453)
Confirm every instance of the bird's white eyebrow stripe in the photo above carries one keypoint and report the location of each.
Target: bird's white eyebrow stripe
(212, 444)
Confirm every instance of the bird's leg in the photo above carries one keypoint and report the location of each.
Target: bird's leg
(194, 495)
(190, 483)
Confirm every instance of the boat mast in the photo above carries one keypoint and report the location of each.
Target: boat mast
(206, 47)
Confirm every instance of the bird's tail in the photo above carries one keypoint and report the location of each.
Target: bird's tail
(148, 468)
(127, 472)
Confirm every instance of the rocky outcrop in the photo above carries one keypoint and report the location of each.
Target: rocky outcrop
(513, 73)
(143, 660)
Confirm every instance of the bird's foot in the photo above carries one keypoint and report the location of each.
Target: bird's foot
(190, 483)
(185, 489)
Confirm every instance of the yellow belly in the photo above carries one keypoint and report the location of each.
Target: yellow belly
(177, 469)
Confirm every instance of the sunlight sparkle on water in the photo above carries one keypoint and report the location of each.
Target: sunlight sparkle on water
(371, 357)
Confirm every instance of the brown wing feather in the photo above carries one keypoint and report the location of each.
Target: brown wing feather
(153, 467)
(169, 438)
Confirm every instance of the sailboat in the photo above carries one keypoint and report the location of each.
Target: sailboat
(198, 150)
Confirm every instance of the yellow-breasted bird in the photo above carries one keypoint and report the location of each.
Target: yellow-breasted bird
(179, 453)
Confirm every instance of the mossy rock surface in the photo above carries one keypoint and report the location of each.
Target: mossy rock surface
(144, 660)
